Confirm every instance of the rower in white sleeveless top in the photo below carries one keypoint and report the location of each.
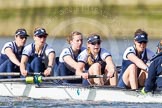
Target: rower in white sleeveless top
(11, 52)
(134, 64)
(96, 61)
(68, 57)
(38, 56)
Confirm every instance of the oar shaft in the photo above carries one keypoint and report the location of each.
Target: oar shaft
(71, 77)
(17, 74)
(13, 80)
(39, 73)
(9, 74)
(61, 78)
(43, 78)
(50, 78)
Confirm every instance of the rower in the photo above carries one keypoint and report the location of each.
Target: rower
(134, 64)
(96, 61)
(11, 53)
(38, 56)
(68, 57)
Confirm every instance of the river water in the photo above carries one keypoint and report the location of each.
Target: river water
(116, 47)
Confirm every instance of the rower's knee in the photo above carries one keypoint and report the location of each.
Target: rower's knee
(95, 69)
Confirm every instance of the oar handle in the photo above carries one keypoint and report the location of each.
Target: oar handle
(97, 76)
(33, 74)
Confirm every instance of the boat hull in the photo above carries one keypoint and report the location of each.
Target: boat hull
(46, 91)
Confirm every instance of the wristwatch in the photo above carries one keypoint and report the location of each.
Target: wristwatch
(50, 67)
(147, 69)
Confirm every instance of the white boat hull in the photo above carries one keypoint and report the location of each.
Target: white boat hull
(77, 93)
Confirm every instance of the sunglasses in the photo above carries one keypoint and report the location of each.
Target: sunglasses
(94, 43)
(142, 42)
(23, 37)
(42, 36)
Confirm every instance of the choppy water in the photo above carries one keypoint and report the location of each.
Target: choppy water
(116, 47)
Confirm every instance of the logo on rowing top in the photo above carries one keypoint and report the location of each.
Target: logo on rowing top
(66, 52)
(80, 57)
(78, 92)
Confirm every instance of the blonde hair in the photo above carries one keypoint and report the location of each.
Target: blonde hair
(89, 59)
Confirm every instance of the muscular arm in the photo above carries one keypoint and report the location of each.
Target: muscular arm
(132, 57)
(51, 61)
(80, 68)
(70, 61)
(12, 56)
(110, 66)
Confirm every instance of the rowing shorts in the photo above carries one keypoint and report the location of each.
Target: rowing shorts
(121, 84)
(85, 82)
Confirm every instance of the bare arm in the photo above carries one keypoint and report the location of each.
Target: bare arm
(110, 67)
(80, 67)
(132, 57)
(79, 70)
(51, 61)
(70, 61)
(12, 56)
(24, 60)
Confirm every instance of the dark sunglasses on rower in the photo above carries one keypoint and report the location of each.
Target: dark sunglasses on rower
(94, 43)
(142, 42)
(23, 37)
(42, 36)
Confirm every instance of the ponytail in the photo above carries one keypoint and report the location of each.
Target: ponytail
(89, 60)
